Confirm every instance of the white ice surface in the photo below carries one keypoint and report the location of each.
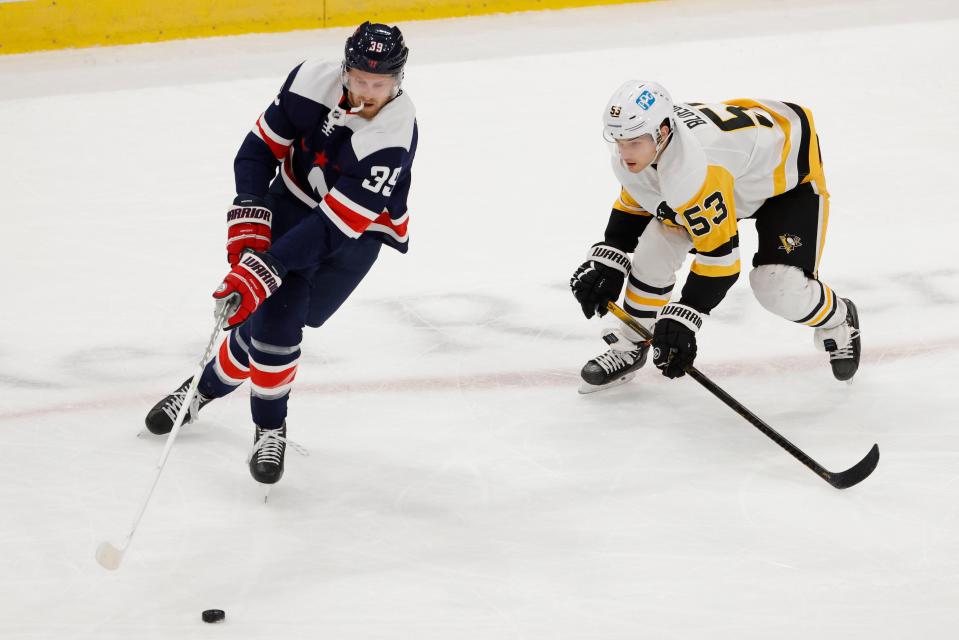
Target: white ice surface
(458, 486)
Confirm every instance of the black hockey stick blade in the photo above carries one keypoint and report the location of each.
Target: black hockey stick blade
(855, 474)
(842, 480)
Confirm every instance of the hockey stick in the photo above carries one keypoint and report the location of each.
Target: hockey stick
(841, 480)
(110, 556)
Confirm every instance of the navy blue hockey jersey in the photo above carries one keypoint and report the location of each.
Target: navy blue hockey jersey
(354, 173)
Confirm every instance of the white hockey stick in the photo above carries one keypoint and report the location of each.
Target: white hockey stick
(110, 556)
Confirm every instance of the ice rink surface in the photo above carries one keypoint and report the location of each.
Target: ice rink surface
(458, 487)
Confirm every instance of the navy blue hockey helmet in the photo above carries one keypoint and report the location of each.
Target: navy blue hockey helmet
(376, 48)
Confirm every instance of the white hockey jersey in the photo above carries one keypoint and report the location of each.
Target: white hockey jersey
(723, 161)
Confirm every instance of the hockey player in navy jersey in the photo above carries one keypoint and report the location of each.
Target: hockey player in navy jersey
(688, 172)
(299, 240)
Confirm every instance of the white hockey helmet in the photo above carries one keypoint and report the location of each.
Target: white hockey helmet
(638, 107)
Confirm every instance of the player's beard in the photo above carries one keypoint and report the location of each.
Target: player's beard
(370, 109)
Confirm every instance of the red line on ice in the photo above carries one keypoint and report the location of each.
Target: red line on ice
(535, 378)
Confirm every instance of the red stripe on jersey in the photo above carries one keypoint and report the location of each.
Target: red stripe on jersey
(278, 148)
(225, 358)
(400, 229)
(271, 379)
(353, 220)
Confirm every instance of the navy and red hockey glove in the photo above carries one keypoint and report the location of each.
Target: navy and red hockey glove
(599, 279)
(674, 339)
(248, 224)
(250, 282)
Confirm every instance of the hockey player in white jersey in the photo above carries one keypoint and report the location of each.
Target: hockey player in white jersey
(689, 172)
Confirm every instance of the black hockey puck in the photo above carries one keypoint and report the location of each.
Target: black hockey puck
(214, 615)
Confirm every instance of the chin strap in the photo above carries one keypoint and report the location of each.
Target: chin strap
(662, 145)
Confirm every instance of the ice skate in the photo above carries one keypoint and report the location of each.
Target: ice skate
(161, 417)
(615, 367)
(844, 359)
(267, 458)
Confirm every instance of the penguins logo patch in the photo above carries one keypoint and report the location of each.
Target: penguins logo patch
(790, 242)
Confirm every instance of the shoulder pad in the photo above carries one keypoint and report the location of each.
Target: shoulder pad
(392, 127)
(320, 81)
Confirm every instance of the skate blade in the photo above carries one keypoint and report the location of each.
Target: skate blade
(266, 492)
(586, 387)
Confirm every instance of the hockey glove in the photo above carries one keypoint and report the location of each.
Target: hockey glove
(674, 339)
(247, 227)
(252, 280)
(599, 279)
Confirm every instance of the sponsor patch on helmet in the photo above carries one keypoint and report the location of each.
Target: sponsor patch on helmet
(646, 100)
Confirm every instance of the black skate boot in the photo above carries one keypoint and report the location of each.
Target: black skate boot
(845, 360)
(615, 367)
(269, 450)
(161, 417)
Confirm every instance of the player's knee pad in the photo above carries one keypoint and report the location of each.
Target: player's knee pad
(784, 290)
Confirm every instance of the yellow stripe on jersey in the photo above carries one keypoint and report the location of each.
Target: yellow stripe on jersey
(816, 173)
(627, 204)
(817, 177)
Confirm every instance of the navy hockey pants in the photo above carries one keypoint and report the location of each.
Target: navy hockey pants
(266, 348)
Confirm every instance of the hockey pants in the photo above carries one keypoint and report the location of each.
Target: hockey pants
(266, 348)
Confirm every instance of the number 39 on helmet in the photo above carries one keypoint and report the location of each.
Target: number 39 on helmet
(376, 48)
